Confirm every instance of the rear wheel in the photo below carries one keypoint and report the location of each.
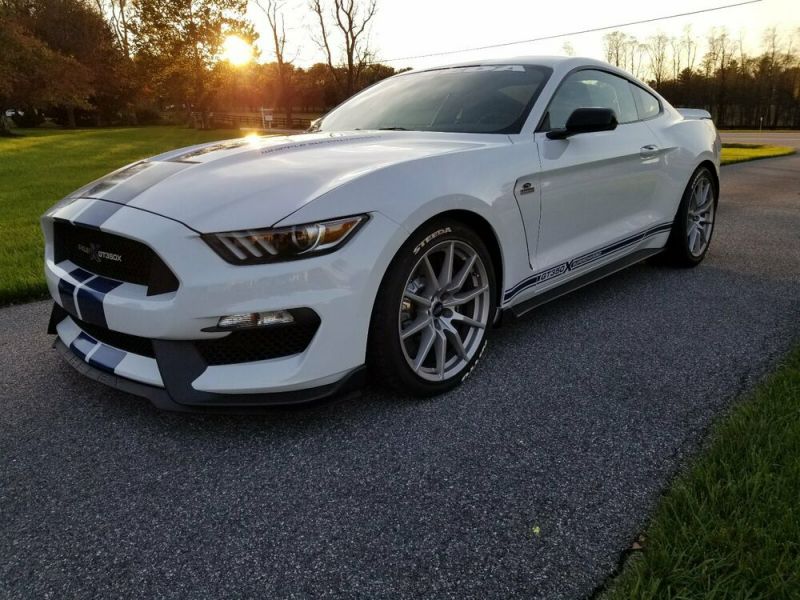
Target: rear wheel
(433, 311)
(694, 223)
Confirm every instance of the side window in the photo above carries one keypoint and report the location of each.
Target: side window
(647, 104)
(591, 89)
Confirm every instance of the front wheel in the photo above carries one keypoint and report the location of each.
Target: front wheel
(694, 223)
(433, 311)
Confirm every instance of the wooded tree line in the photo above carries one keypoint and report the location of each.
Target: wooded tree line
(716, 72)
(98, 62)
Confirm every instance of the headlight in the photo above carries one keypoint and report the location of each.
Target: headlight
(258, 246)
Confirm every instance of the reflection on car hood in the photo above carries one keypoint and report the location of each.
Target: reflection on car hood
(257, 181)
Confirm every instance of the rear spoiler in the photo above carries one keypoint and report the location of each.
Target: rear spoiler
(694, 114)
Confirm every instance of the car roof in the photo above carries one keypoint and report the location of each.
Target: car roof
(545, 61)
(559, 64)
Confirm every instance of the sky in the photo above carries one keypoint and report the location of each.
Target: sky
(404, 28)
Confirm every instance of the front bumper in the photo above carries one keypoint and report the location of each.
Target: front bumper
(339, 288)
(162, 399)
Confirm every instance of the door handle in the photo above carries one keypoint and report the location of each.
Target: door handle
(648, 151)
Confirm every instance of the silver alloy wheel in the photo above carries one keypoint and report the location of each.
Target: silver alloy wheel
(700, 216)
(444, 310)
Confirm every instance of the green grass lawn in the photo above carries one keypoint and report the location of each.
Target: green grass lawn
(734, 153)
(41, 166)
(730, 526)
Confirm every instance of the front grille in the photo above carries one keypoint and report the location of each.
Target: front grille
(112, 256)
(122, 341)
(261, 344)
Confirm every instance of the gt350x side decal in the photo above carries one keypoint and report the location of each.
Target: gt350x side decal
(582, 260)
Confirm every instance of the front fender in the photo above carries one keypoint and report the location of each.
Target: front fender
(480, 182)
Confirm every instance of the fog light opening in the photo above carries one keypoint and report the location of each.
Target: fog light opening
(251, 320)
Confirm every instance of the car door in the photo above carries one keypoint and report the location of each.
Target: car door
(596, 188)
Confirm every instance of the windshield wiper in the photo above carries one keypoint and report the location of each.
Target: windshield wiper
(392, 129)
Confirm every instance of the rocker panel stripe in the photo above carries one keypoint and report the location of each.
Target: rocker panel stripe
(583, 260)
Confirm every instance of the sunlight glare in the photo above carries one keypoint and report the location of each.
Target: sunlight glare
(236, 50)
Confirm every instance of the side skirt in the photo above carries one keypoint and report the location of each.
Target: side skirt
(582, 280)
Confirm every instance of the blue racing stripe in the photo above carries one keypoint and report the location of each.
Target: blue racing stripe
(65, 292)
(97, 213)
(106, 358)
(83, 344)
(80, 274)
(90, 299)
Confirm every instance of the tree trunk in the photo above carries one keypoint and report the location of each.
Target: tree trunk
(71, 117)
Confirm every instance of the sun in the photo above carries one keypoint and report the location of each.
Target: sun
(236, 50)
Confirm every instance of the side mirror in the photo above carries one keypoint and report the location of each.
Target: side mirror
(586, 120)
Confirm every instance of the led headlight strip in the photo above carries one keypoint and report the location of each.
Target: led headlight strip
(258, 246)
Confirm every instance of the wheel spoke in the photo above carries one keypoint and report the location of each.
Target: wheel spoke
(446, 274)
(440, 348)
(458, 317)
(415, 327)
(703, 197)
(461, 278)
(425, 343)
(463, 298)
(703, 235)
(455, 341)
(422, 301)
(698, 241)
(693, 235)
(430, 275)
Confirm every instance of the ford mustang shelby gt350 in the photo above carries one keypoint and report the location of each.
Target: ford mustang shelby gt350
(391, 236)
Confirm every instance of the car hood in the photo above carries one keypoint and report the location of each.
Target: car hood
(256, 181)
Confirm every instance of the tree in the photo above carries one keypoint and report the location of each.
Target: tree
(635, 53)
(277, 26)
(691, 47)
(657, 52)
(614, 46)
(32, 74)
(351, 20)
(119, 15)
(76, 29)
(676, 48)
(717, 61)
(177, 43)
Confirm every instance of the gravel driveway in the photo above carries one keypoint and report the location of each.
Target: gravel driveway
(573, 424)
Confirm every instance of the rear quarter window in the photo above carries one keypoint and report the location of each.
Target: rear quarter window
(647, 105)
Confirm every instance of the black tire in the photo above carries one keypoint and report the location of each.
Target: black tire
(386, 358)
(677, 252)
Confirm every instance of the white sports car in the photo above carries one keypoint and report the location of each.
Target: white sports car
(392, 236)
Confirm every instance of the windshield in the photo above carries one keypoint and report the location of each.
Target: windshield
(476, 99)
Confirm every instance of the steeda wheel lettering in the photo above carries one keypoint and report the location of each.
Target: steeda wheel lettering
(475, 364)
(432, 236)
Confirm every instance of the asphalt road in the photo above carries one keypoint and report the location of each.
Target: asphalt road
(777, 138)
(574, 423)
